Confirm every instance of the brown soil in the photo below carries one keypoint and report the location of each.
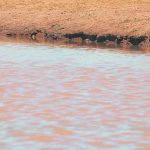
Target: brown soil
(121, 17)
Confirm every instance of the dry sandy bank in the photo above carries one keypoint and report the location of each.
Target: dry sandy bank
(121, 17)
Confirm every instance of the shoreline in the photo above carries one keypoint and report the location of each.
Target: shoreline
(109, 40)
(125, 23)
(75, 42)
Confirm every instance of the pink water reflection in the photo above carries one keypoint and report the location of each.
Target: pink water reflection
(60, 98)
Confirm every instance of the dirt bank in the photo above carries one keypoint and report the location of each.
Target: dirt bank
(117, 17)
(128, 17)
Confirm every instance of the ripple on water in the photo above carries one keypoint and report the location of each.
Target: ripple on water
(61, 98)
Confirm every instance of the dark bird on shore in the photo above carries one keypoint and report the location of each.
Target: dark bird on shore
(34, 33)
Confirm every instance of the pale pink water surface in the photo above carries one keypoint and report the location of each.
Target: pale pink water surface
(57, 98)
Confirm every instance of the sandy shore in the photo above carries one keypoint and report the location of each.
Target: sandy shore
(128, 17)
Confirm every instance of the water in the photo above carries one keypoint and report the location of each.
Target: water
(59, 98)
